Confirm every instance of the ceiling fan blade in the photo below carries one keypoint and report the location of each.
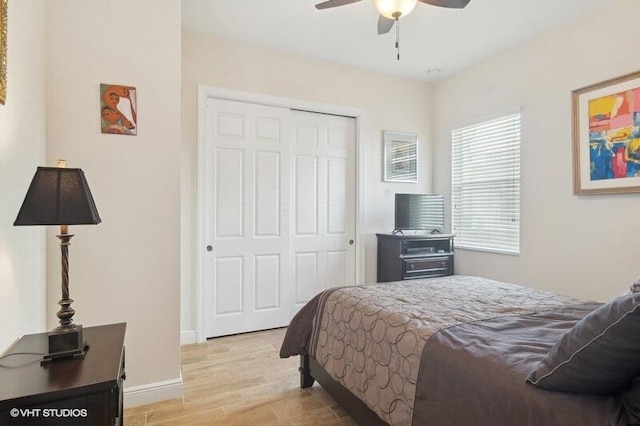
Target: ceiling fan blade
(385, 24)
(334, 3)
(453, 4)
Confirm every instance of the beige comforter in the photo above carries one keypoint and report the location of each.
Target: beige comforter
(370, 338)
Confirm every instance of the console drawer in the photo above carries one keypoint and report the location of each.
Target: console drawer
(421, 267)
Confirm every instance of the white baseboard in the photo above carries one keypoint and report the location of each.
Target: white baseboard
(187, 337)
(152, 392)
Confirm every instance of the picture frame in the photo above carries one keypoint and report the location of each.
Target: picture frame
(400, 157)
(606, 137)
(3, 51)
(118, 109)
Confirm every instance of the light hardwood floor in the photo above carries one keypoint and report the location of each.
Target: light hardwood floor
(240, 380)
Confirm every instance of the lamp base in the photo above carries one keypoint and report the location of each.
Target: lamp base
(66, 342)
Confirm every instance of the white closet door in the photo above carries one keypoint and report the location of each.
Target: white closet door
(280, 212)
(323, 229)
(247, 226)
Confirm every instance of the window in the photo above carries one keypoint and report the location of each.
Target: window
(485, 185)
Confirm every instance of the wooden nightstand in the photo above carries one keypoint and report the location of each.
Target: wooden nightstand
(71, 392)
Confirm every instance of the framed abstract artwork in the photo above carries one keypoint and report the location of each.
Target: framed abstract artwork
(3, 51)
(606, 137)
(118, 109)
(400, 157)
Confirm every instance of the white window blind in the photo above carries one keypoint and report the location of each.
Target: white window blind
(485, 185)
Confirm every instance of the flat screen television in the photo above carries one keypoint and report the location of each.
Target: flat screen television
(423, 212)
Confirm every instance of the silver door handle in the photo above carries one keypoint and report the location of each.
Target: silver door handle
(350, 242)
(209, 248)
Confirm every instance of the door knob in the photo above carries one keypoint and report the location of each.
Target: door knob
(350, 242)
(209, 248)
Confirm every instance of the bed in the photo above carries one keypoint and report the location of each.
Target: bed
(463, 350)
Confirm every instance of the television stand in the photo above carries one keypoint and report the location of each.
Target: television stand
(401, 232)
(412, 256)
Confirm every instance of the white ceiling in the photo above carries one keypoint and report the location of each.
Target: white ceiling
(430, 37)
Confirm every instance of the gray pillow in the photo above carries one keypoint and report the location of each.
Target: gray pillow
(630, 399)
(599, 355)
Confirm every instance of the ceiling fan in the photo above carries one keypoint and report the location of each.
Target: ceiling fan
(392, 10)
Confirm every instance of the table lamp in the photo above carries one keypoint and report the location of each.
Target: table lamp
(61, 196)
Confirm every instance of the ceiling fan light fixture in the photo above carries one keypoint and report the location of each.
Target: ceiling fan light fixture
(395, 9)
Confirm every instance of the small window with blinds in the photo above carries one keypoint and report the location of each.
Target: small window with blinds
(485, 185)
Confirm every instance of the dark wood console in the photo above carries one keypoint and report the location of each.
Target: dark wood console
(68, 391)
(406, 257)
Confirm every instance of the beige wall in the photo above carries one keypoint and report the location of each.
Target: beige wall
(127, 269)
(584, 246)
(390, 103)
(22, 148)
